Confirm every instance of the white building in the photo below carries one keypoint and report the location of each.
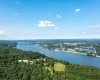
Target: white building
(26, 61)
(41, 59)
(88, 49)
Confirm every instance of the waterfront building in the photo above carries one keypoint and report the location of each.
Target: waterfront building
(88, 49)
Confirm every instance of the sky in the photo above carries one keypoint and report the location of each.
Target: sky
(49, 19)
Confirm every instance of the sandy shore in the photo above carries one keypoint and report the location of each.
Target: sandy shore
(76, 52)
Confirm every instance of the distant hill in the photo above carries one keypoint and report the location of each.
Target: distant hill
(8, 43)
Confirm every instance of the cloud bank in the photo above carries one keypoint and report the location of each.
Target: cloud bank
(94, 26)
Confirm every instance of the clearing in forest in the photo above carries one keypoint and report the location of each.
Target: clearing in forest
(59, 67)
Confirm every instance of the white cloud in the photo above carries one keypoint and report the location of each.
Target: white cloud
(77, 10)
(4, 33)
(94, 26)
(83, 32)
(45, 24)
(1, 32)
(58, 16)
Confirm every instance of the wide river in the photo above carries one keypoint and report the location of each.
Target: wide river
(66, 56)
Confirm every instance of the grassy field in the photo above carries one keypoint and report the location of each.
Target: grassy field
(50, 69)
(32, 62)
(45, 64)
(59, 67)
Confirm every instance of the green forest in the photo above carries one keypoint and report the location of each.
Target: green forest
(26, 65)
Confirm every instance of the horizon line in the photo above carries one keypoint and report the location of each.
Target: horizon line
(48, 39)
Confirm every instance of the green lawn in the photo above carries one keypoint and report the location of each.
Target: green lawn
(32, 62)
(59, 67)
(50, 69)
(45, 64)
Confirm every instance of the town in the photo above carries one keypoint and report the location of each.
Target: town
(80, 47)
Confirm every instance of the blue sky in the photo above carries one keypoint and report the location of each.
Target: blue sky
(49, 19)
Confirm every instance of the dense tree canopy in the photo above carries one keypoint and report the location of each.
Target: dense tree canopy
(5, 43)
(39, 69)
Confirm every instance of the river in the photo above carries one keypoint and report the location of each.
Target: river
(66, 56)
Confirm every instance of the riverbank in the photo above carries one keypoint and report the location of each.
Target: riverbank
(97, 56)
(70, 57)
(74, 52)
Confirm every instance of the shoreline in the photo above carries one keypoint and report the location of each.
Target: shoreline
(74, 52)
(97, 56)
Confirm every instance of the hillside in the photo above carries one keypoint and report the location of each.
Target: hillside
(20, 65)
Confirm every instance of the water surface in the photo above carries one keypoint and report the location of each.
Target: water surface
(66, 56)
